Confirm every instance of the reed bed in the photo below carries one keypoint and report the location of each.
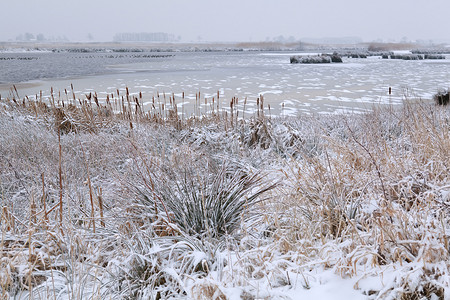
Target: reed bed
(110, 200)
(88, 111)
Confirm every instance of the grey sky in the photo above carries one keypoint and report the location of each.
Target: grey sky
(228, 20)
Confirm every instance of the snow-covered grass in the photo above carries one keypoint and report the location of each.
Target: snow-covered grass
(333, 207)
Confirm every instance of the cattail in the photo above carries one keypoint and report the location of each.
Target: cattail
(137, 102)
(96, 100)
(15, 89)
(100, 206)
(257, 106)
(51, 95)
(32, 210)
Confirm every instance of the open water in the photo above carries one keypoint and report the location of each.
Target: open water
(290, 89)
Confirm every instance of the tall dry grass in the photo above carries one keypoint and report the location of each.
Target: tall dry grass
(361, 195)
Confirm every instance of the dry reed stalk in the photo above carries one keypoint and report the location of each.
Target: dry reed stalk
(237, 109)
(257, 106)
(243, 111)
(91, 196)
(100, 206)
(15, 89)
(14, 99)
(218, 102)
(261, 100)
(231, 111)
(96, 100)
(164, 97)
(52, 97)
(123, 112)
(182, 108)
(8, 219)
(159, 103)
(60, 183)
(32, 211)
(73, 94)
(67, 96)
(44, 201)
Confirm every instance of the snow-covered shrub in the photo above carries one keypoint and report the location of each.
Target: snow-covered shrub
(203, 197)
(442, 98)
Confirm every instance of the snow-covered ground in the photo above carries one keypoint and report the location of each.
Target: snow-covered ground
(350, 206)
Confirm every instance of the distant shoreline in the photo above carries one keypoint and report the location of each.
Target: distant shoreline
(207, 46)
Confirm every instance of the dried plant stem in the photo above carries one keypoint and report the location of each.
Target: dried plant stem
(60, 181)
(374, 162)
(100, 205)
(32, 211)
(44, 201)
(91, 193)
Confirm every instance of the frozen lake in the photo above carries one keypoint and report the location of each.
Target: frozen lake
(354, 85)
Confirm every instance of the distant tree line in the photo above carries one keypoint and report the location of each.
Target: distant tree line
(145, 37)
(29, 37)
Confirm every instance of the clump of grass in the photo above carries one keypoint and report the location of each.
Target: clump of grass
(202, 198)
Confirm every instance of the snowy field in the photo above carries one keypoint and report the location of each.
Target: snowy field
(96, 205)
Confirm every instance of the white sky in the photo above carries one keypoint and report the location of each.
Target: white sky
(228, 20)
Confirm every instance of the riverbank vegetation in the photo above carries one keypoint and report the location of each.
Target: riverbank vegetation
(106, 200)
